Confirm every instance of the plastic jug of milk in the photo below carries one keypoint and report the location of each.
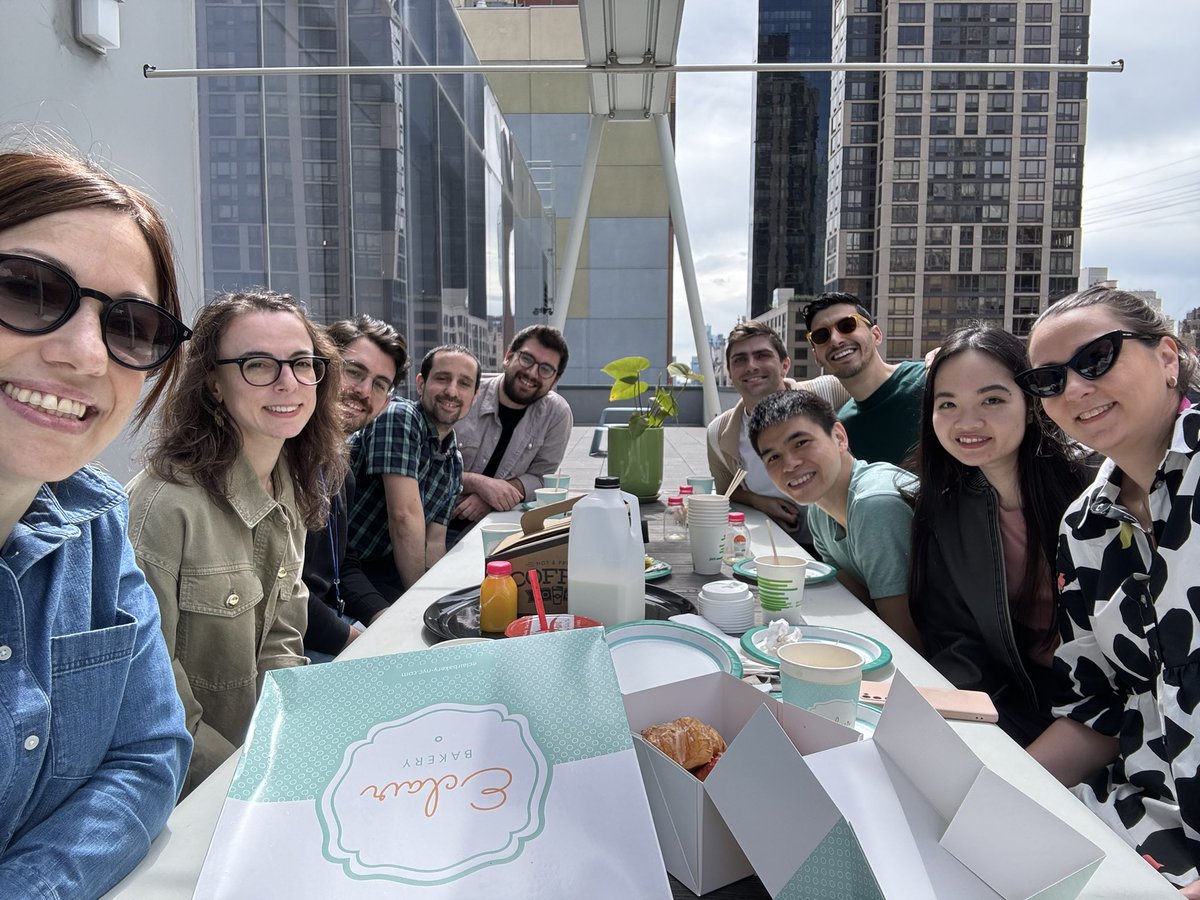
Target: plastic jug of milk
(606, 567)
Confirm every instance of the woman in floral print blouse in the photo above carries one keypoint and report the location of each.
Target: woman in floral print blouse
(1111, 374)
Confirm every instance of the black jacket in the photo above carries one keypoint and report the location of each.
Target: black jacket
(326, 632)
(964, 617)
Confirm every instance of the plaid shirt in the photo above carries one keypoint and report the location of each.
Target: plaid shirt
(400, 442)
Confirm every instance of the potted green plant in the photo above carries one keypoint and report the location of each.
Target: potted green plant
(635, 450)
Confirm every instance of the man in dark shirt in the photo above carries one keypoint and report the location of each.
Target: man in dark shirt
(517, 429)
(374, 359)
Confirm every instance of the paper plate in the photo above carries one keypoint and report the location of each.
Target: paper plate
(657, 569)
(814, 573)
(875, 655)
(647, 654)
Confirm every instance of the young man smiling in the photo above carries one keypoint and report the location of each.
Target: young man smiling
(859, 519)
(409, 472)
(517, 429)
(758, 363)
(374, 359)
(884, 409)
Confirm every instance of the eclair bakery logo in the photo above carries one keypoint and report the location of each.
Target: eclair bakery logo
(436, 795)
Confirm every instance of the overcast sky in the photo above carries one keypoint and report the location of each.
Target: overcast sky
(1141, 201)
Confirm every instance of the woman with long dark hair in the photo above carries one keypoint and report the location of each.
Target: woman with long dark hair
(248, 451)
(92, 739)
(1111, 372)
(994, 485)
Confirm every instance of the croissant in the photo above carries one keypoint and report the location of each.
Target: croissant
(688, 741)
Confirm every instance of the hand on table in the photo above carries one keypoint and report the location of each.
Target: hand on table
(495, 492)
(472, 508)
(782, 511)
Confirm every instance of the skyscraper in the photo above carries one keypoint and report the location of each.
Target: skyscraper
(791, 131)
(404, 197)
(955, 195)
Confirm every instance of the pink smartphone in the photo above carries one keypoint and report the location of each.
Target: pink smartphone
(970, 706)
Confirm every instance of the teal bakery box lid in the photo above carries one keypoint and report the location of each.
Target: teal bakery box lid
(503, 768)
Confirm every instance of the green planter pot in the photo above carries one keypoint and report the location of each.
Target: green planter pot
(637, 462)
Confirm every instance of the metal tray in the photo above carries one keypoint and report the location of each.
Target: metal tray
(457, 615)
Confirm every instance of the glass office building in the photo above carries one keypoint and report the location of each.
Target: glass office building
(791, 141)
(403, 197)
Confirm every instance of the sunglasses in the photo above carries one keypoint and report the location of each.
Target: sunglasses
(1091, 361)
(847, 325)
(37, 298)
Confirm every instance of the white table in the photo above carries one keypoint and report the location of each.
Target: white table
(172, 867)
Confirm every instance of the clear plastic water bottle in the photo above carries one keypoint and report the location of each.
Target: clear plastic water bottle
(736, 545)
(675, 520)
(606, 558)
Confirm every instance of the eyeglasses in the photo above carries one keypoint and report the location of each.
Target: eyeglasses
(1091, 361)
(38, 298)
(357, 374)
(261, 371)
(847, 325)
(527, 361)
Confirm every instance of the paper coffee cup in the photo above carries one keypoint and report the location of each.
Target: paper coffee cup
(494, 532)
(546, 495)
(557, 481)
(781, 586)
(706, 548)
(823, 678)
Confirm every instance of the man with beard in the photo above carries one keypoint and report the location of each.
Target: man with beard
(884, 410)
(409, 472)
(374, 359)
(517, 429)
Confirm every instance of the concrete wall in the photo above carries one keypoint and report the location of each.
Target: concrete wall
(620, 304)
(144, 131)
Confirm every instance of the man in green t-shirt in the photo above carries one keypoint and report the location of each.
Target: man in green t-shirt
(859, 518)
(884, 410)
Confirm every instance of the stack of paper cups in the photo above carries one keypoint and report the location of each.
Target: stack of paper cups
(781, 587)
(707, 517)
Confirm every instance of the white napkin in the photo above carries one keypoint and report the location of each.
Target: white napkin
(749, 666)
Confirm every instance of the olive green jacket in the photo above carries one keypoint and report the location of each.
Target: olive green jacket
(227, 578)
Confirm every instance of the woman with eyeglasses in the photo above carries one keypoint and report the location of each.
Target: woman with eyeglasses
(993, 489)
(92, 739)
(1109, 371)
(247, 452)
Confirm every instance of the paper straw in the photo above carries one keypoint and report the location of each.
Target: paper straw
(737, 480)
(536, 586)
(771, 536)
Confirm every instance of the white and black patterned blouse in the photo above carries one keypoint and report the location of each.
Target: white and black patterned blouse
(1131, 651)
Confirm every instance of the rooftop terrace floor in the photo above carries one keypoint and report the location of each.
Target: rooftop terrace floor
(684, 453)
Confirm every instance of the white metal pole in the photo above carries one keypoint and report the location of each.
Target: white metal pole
(570, 260)
(712, 403)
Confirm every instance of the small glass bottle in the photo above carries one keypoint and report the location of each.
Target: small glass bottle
(497, 598)
(675, 520)
(737, 539)
(685, 492)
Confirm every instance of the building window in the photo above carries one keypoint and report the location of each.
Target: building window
(1032, 190)
(900, 328)
(937, 259)
(1035, 81)
(902, 284)
(1037, 12)
(994, 235)
(1033, 124)
(1000, 125)
(999, 103)
(912, 12)
(1066, 134)
(1033, 168)
(1031, 146)
(1034, 103)
(908, 125)
(903, 260)
(910, 81)
(910, 35)
(904, 235)
(1037, 34)
(1068, 111)
(937, 236)
(1029, 234)
(1029, 260)
(965, 259)
(1062, 240)
(993, 259)
(1062, 263)
(908, 102)
(900, 306)
(1031, 212)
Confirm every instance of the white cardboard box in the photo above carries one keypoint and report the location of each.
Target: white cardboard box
(912, 813)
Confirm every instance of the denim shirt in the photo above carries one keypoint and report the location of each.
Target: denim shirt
(93, 746)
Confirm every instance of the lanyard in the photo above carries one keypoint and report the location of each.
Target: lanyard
(337, 579)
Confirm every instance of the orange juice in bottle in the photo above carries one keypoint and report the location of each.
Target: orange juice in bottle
(497, 597)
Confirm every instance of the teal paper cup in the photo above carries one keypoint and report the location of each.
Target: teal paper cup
(823, 678)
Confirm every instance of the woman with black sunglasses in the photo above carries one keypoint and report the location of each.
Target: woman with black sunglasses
(1111, 374)
(246, 455)
(92, 739)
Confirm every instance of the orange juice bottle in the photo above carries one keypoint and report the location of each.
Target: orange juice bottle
(497, 597)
